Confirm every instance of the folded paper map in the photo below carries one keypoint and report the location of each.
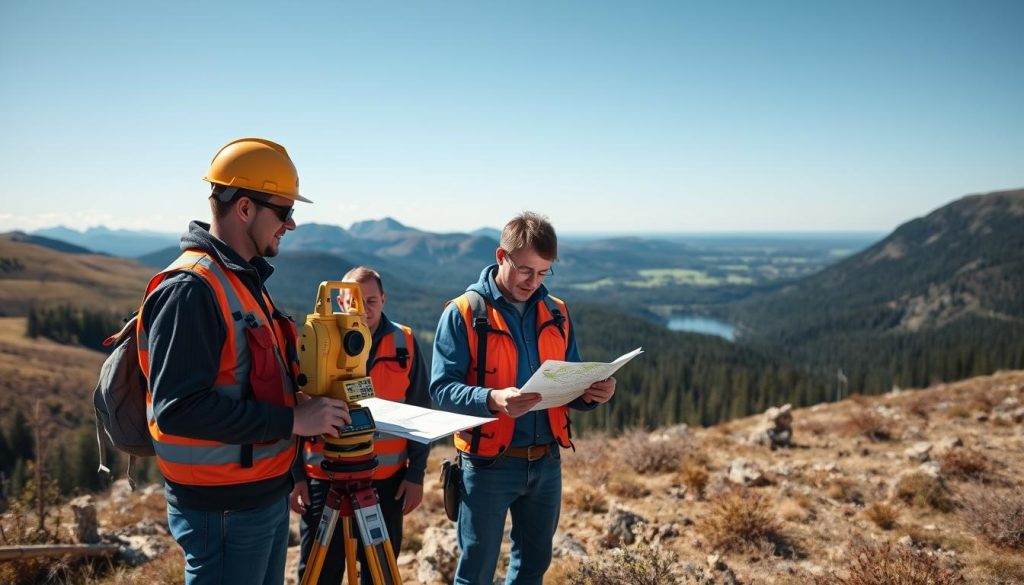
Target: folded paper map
(562, 382)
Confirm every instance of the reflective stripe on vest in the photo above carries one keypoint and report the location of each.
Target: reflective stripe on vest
(390, 382)
(502, 363)
(200, 462)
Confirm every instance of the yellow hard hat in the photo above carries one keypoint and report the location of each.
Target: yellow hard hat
(258, 165)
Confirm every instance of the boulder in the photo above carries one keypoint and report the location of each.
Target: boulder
(438, 555)
(919, 452)
(744, 473)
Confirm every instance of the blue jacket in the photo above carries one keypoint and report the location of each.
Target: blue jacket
(451, 361)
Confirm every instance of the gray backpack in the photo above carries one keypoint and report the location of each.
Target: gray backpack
(120, 401)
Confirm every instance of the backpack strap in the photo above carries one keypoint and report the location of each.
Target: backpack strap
(558, 318)
(401, 349)
(482, 326)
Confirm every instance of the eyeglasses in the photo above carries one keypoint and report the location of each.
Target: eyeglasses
(526, 272)
(283, 213)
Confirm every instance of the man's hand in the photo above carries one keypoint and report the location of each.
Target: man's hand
(511, 401)
(413, 493)
(600, 392)
(298, 500)
(320, 416)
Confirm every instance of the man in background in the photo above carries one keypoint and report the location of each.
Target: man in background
(396, 367)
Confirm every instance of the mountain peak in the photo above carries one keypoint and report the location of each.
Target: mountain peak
(385, 228)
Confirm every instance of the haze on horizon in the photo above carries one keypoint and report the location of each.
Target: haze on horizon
(608, 117)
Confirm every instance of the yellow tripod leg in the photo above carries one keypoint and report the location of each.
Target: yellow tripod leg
(350, 551)
(317, 554)
(383, 574)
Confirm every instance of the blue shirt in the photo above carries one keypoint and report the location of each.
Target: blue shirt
(451, 359)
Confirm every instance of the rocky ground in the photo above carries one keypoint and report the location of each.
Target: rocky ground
(911, 487)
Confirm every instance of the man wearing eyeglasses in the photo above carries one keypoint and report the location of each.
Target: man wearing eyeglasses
(221, 361)
(512, 464)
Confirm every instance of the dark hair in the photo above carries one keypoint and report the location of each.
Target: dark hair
(363, 274)
(530, 230)
(221, 202)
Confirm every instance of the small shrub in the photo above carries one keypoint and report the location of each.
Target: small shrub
(845, 490)
(885, 564)
(627, 487)
(869, 423)
(738, 519)
(591, 463)
(925, 491)
(695, 477)
(959, 410)
(999, 518)
(586, 499)
(919, 405)
(965, 464)
(640, 565)
(882, 515)
(644, 455)
(793, 511)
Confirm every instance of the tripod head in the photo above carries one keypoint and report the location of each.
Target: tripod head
(333, 350)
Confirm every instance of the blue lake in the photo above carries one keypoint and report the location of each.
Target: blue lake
(702, 325)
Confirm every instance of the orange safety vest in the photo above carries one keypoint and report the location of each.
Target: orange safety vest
(502, 363)
(392, 365)
(257, 361)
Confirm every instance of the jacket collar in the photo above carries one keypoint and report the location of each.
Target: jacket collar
(199, 237)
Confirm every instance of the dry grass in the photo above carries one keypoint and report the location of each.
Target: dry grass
(741, 519)
(1002, 568)
(845, 490)
(694, 476)
(586, 498)
(591, 463)
(883, 515)
(920, 405)
(867, 422)
(627, 487)
(793, 511)
(168, 569)
(639, 565)
(646, 455)
(888, 564)
(924, 491)
(966, 464)
(997, 517)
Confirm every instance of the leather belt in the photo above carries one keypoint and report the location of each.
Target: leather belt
(530, 453)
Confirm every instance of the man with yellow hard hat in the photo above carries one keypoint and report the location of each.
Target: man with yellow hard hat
(221, 362)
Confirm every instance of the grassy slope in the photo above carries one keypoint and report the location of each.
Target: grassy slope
(45, 276)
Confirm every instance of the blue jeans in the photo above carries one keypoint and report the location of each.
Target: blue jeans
(234, 546)
(491, 488)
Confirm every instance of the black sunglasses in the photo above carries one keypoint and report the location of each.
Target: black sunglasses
(283, 213)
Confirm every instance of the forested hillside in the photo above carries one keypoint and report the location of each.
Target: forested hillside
(941, 298)
(682, 377)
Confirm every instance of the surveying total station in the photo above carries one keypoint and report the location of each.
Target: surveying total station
(333, 351)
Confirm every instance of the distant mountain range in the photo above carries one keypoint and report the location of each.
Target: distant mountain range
(939, 298)
(127, 243)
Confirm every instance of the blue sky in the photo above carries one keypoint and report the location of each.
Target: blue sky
(448, 116)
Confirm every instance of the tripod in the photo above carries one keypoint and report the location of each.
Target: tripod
(352, 496)
(332, 362)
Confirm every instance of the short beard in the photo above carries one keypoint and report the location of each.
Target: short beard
(267, 252)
